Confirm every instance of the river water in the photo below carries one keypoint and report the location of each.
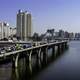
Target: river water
(65, 67)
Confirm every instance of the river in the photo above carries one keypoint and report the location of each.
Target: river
(65, 67)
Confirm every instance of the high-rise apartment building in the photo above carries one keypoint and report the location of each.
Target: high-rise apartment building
(6, 31)
(23, 25)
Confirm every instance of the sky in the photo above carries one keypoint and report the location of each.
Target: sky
(46, 14)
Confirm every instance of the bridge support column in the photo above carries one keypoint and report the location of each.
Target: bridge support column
(15, 61)
(45, 53)
(30, 62)
(38, 62)
(65, 44)
(62, 47)
(53, 51)
(59, 49)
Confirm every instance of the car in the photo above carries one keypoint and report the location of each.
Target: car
(8, 49)
(13, 48)
(27, 46)
(2, 50)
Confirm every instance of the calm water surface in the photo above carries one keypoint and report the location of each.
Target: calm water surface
(65, 67)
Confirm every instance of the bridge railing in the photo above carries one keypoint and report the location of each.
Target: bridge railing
(31, 48)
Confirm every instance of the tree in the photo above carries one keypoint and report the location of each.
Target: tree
(42, 36)
(35, 37)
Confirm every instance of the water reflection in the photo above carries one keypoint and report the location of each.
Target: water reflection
(17, 74)
(22, 72)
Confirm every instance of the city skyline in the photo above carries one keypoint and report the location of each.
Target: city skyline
(46, 14)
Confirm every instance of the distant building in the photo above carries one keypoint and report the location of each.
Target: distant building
(77, 35)
(24, 28)
(56, 34)
(12, 31)
(61, 34)
(66, 34)
(5, 30)
(71, 35)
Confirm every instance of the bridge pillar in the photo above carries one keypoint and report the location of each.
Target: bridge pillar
(45, 55)
(38, 60)
(53, 51)
(65, 44)
(30, 62)
(62, 47)
(19, 61)
(59, 49)
(15, 61)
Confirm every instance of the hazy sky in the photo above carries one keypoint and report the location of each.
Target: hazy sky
(57, 14)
